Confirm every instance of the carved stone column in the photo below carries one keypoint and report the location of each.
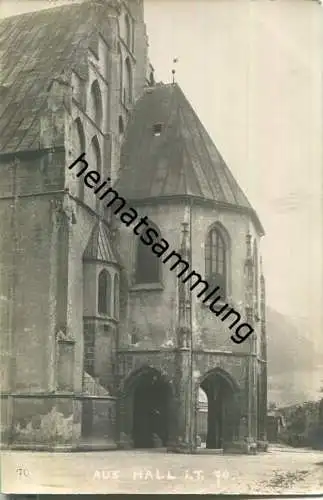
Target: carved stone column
(252, 342)
(183, 362)
(262, 418)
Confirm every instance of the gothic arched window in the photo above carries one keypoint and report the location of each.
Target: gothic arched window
(121, 70)
(95, 162)
(148, 266)
(116, 296)
(127, 91)
(79, 138)
(104, 293)
(128, 31)
(96, 104)
(96, 154)
(78, 149)
(121, 125)
(216, 260)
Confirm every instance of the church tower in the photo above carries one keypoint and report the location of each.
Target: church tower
(60, 272)
(178, 179)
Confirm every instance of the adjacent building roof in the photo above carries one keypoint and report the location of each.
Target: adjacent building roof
(167, 152)
(35, 49)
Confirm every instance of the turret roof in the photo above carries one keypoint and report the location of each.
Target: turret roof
(167, 152)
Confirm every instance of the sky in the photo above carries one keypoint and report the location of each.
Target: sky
(252, 69)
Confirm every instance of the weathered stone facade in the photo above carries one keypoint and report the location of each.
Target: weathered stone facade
(82, 337)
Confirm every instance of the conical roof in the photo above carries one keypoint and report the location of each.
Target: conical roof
(167, 152)
(99, 247)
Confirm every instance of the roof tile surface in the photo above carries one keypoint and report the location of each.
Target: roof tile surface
(182, 160)
(36, 48)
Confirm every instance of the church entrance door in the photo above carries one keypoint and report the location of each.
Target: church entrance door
(222, 416)
(151, 406)
(87, 418)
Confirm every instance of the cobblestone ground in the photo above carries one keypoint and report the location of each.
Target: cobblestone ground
(281, 470)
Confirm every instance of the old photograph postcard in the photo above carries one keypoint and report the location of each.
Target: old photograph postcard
(161, 268)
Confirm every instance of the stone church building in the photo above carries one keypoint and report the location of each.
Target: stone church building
(91, 351)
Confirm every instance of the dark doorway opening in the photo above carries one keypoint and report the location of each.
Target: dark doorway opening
(222, 414)
(87, 418)
(151, 400)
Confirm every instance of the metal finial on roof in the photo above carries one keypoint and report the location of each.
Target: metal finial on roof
(173, 70)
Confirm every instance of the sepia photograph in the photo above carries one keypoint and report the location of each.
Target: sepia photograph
(161, 247)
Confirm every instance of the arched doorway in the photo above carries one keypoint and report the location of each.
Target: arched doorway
(201, 418)
(222, 409)
(148, 409)
(87, 418)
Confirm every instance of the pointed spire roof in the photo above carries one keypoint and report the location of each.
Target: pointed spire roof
(167, 152)
(99, 246)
